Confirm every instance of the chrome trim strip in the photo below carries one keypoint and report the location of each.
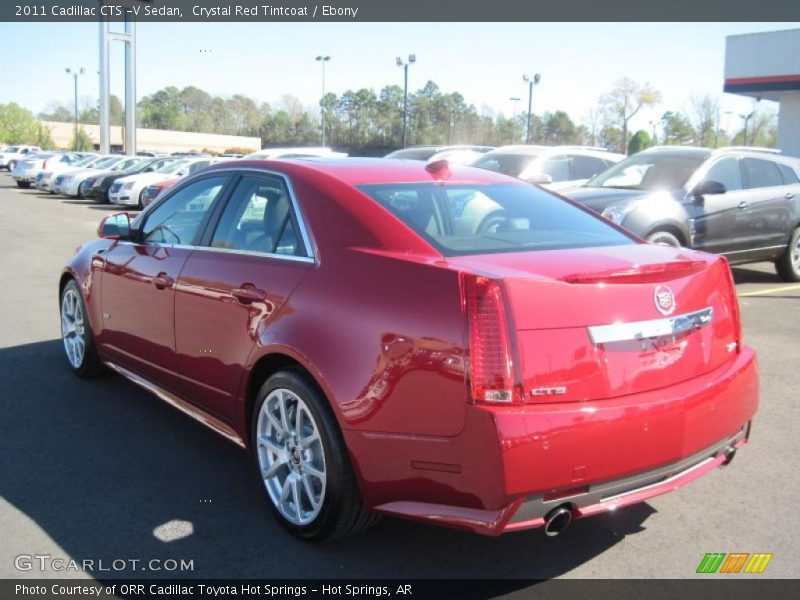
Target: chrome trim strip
(535, 507)
(752, 250)
(182, 405)
(638, 330)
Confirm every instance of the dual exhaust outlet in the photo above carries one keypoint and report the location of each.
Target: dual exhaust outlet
(558, 519)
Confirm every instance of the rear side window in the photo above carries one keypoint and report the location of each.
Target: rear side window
(478, 219)
(259, 218)
(761, 173)
(507, 164)
(726, 172)
(789, 174)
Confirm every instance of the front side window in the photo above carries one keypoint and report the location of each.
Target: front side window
(507, 164)
(726, 172)
(586, 167)
(259, 218)
(761, 173)
(557, 167)
(459, 219)
(177, 220)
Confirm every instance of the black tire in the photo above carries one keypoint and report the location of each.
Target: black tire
(10, 166)
(788, 265)
(664, 238)
(140, 203)
(24, 185)
(90, 365)
(81, 190)
(342, 512)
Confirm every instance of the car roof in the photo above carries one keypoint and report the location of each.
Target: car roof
(364, 171)
(677, 151)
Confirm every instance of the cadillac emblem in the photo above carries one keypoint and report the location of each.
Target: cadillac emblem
(664, 300)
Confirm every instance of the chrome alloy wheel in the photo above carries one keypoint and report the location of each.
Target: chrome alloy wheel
(795, 250)
(290, 456)
(72, 327)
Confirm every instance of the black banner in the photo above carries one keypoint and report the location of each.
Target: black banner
(392, 10)
(731, 588)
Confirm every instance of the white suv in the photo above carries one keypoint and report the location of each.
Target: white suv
(554, 167)
(13, 154)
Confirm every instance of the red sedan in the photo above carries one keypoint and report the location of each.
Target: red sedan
(387, 337)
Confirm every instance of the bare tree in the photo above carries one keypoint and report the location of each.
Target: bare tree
(704, 116)
(623, 102)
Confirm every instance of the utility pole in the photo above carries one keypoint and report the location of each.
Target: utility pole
(532, 80)
(412, 58)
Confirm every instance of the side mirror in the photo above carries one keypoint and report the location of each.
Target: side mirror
(539, 178)
(708, 187)
(115, 227)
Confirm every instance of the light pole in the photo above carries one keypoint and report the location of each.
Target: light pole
(75, 73)
(412, 58)
(323, 60)
(532, 81)
(746, 118)
(514, 100)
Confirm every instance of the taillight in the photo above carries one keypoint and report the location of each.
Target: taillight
(491, 364)
(733, 300)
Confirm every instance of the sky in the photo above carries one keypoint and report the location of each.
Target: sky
(483, 61)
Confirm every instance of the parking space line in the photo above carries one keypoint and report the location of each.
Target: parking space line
(784, 288)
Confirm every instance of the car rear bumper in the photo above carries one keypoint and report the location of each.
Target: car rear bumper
(510, 466)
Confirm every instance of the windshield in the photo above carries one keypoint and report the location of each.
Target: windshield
(650, 171)
(126, 164)
(477, 219)
(12, 149)
(413, 153)
(507, 164)
(172, 166)
(85, 161)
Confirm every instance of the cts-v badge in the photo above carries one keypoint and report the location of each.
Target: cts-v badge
(549, 391)
(664, 299)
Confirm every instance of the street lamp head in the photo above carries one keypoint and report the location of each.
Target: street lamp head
(399, 61)
(323, 58)
(82, 71)
(515, 98)
(525, 78)
(537, 77)
(68, 70)
(412, 58)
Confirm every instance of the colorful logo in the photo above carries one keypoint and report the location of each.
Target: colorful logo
(664, 300)
(735, 562)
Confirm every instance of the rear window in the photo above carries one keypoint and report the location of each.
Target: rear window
(479, 219)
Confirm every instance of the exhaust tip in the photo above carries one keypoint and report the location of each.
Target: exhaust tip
(730, 454)
(557, 520)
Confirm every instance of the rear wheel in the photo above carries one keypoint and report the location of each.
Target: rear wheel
(11, 164)
(302, 461)
(23, 184)
(76, 333)
(788, 265)
(664, 238)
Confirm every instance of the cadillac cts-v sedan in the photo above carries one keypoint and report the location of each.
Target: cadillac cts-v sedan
(443, 344)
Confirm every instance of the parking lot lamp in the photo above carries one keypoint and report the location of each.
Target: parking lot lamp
(75, 73)
(412, 58)
(322, 60)
(532, 81)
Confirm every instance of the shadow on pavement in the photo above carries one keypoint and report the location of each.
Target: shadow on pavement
(99, 464)
(744, 275)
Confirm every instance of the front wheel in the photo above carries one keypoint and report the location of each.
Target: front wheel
(76, 333)
(788, 265)
(10, 166)
(302, 461)
(664, 238)
(82, 190)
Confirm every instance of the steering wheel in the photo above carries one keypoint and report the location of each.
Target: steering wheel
(491, 223)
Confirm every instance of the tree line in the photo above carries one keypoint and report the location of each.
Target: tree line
(370, 122)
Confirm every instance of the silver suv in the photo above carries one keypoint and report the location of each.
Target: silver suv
(741, 202)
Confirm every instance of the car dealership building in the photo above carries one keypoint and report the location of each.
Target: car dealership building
(767, 66)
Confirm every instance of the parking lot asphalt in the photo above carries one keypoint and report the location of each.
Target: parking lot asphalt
(90, 469)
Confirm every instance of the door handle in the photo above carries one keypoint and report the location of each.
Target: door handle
(163, 281)
(789, 195)
(248, 293)
(744, 204)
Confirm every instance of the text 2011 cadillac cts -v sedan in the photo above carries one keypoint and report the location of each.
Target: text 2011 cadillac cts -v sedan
(390, 337)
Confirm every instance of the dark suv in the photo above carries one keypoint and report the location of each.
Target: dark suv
(741, 202)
